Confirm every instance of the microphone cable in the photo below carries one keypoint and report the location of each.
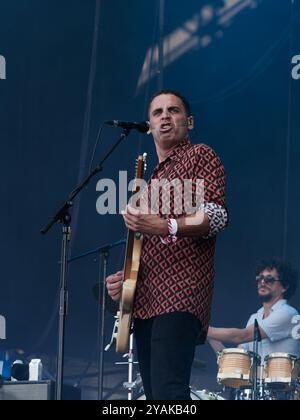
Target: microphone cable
(95, 146)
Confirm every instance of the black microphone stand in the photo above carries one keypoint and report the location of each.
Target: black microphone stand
(257, 339)
(104, 255)
(103, 251)
(63, 216)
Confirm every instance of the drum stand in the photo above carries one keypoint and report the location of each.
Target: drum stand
(130, 385)
(257, 339)
(261, 390)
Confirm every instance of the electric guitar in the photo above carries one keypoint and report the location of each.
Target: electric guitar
(131, 269)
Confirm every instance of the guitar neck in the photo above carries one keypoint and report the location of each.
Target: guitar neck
(128, 253)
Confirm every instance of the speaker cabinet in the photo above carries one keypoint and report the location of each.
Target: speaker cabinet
(42, 390)
(26, 390)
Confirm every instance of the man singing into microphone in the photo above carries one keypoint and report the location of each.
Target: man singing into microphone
(175, 285)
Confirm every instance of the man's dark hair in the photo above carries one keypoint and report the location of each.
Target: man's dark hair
(288, 277)
(175, 93)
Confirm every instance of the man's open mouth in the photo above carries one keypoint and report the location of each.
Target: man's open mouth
(165, 127)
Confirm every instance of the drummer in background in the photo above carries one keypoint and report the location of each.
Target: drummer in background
(276, 283)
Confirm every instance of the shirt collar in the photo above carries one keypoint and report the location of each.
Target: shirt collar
(176, 154)
(279, 304)
(275, 307)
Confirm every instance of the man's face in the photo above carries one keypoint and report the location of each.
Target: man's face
(269, 286)
(169, 122)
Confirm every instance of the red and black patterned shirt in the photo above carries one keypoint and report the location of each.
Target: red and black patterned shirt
(178, 277)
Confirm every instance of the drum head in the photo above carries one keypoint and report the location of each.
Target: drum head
(235, 367)
(281, 370)
(280, 356)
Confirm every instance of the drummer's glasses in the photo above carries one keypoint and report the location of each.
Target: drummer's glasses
(268, 280)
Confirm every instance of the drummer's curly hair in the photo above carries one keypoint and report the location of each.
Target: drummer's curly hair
(288, 276)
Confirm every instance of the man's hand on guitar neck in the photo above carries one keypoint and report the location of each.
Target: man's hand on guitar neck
(144, 222)
(114, 285)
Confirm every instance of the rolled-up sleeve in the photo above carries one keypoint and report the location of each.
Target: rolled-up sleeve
(210, 168)
(218, 218)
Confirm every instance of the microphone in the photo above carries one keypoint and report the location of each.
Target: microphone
(142, 126)
(257, 335)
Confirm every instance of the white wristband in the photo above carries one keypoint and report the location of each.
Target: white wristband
(174, 227)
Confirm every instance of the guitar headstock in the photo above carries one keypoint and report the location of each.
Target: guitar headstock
(141, 166)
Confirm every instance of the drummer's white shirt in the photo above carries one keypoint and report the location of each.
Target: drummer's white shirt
(279, 327)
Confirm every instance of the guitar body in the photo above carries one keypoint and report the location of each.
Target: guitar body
(128, 294)
(131, 269)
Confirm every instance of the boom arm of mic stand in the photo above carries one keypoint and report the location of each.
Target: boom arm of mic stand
(63, 211)
(101, 249)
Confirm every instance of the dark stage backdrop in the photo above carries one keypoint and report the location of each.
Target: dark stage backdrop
(72, 64)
